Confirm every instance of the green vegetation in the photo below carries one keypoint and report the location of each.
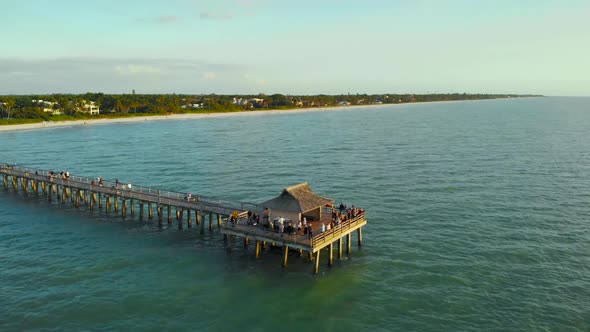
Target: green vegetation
(61, 107)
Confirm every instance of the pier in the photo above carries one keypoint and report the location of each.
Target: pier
(278, 223)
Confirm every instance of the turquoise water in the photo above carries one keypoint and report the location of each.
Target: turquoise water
(478, 220)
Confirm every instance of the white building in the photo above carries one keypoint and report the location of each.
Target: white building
(89, 107)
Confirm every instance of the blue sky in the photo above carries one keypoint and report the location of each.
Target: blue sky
(295, 47)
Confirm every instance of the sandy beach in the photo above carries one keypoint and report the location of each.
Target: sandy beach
(87, 122)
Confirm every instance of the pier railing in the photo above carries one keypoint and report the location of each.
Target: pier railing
(338, 231)
(122, 189)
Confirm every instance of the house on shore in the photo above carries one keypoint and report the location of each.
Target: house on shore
(89, 107)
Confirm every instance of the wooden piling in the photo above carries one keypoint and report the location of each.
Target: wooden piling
(5, 181)
(132, 207)
(169, 217)
(219, 220)
(63, 195)
(316, 269)
(285, 255)
(257, 248)
(189, 222)
(348, 243)
(108, 204)
(360, 236)
(246, 242)
(330, 254)
(151, 211)
(201, 218)
(116, 203)
(140, 210)
(210, 221)
(15, 183)
(124, 207)
(340, 253)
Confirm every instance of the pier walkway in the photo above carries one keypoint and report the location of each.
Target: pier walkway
(132, 200)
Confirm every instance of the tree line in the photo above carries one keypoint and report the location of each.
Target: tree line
(30, 107)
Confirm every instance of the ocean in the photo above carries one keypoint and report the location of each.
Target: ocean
(478, 219)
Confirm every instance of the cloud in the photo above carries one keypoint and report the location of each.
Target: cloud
(163, 19)
(209, 75)
(115, 75)
(168, 19)
(215, 16)
(137, 70)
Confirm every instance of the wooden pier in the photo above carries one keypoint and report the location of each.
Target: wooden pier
(296, 202)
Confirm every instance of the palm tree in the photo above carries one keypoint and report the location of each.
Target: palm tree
(10, 102)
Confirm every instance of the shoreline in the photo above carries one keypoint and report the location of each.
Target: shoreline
(187, 116)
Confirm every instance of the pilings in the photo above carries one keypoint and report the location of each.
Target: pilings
(316, 268)
(348, 243)
(360, 237)
(285, 255)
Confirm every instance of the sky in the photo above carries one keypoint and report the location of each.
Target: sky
(295, 47)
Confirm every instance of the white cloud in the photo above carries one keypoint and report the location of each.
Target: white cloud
(137, 70)
(209, 75)
(215, 16)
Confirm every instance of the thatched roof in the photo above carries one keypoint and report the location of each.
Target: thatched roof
(297, 198)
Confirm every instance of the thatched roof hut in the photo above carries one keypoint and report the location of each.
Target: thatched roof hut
(296, 201)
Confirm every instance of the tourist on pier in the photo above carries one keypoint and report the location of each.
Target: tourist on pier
(234, 217)
(299, 226)
(116, 183)
(341, 207)
(129, 186)
(100, 181)
(323, 229)
(309, 231)
(328, 227)
(304, 222)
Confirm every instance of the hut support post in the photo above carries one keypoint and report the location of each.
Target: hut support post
(257, 249)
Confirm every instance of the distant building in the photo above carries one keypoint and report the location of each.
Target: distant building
(344, 103)
(89, 107)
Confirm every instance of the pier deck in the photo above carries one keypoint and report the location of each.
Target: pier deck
(88, 191)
